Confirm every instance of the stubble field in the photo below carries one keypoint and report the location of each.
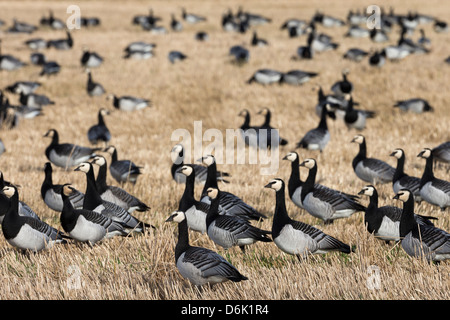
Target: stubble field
(207, 87)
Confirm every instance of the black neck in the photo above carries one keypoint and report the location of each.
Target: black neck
(407, 221)
(310, 181)
(183, 239)
(188, 199)
(280, 217)
(178, 163)
(246, 123)
(361, 154)
(48, 181)
(114, 156)
(69, 215)
(213, 211)
(323, 118)
(100, 117)
(211, 178)
(100, 181)
(267, 120)
(399, 171)
(92, 198)
(428, 172)
(294, 179)
(373, 204)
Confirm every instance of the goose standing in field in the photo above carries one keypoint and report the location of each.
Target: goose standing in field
(258, 42)
(403, 181)
(317, 138)
(122, 170)
(416, 105)
(128, 103)
(50, 68)
(295, 237)
(342, 87)
(371, 170)
(38, 59)
(85, 225)
(228, 231)
(24, 232)
(306, 51)
(91, 59)
(8, 62)
(115, 194)
(26, 87)
(177, 154)
(441, 153)
(22, 27)
(272, 133)
(175, 56)
(99, 131)
(250, 134)
(325, 203)
(94, 89)
(93, 201)
(175, 25)
(433, 190)
(297, 77)
(266, 76)
(356, 118)
(61, 44)
(422, 241)
(200, 265)
(191, 18)
(229, 203)
(51, 193)
(66, 155)
(384, 222)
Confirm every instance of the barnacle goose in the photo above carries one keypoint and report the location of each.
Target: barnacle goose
(175, 25)
(122, 170)
(93, 201)
(115, 194)
(140, 46)
(295, 237)
(229, 203)
(266, 76)
(23, 86)
(8, 62)
(86, 225)
(325, 204)
(377, 59)
(355, 54)
(93, 89)
(201, 36)
(272, 133)
(403, 181)
(327, 21)
(22, 27)
(317, 138)
(241, 55)
(356, 118)
(128, 103)
(433, 190)
(307, 51)
(24, 232)
(51, 193)
(384, 222)
(200, 265)
(322, 42)
(344, 86)
(177, 154)
(440, 26)
(371, 170)
(259, 137)
(35, 100)
(297, 77)
(421, 241)
(99, 131)
(50, 68)
(36, 43)
(91, 59)
(61, 44)
(191, 18)
(441, 152)
(66, 155)
(38, 59)
(228, 231)
(416, 105)
(258, 42)
(336, 105)
(378, 35)
(175, 56)
(355, 31)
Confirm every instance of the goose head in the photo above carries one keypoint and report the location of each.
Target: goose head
(176, 216)
(275, 184)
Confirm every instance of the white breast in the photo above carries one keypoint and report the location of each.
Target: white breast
(293, 241)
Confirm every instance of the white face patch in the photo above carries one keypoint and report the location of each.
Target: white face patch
(368, 191)
(310, 163)
(84, 167)
(50, 133)
(178, 216)
(177, 148)
(67, 190)
(403, 195)
(208, 160)
(243, 113)
(186, 170)
(8, 191)
(291, 156)
(426, 153)
(276, 184)
(358, 139)
(212, 192)
(397, 153)
(104, 112)
(99, 161)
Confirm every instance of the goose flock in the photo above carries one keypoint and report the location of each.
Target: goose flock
(103, 211)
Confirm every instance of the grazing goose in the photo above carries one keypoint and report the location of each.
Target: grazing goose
(94, 89)
(327, 21)
(307, 51)
(295, 237)
(191, 18)
(356, 118)
(91, 59)
(66, 155)
(421, 241)
(342, 87)
(228, 231)
(93, 201)
(9, 63)
(38, 59)
(51, 193)
(241, 55)
(177, 154)
(297, 77)
(441, 153)
(50, 68)
(317, 138)
(36, 43)
(371, 170)
(140, 46)
(22, 27)
(336, 105)
(433, 190)
(377, 59)
(272, 133)
(357, 32)
(416, 105)
(258, 42)
(378, 35)
(115, 194)
(26, 87)
(324, 203)
(122, 170)
(24, 232)
(35, 100)
(175, 25)
(440, 26)
(322, 43)
(229, 203)
(200, 265)
(61, 44)
(201, 36)
(396, 53)
(128, 103)
(384, 222)
(138, 55)
(175, 56)
(266, 76)
(86, 225)
(403, 181)
(355, 54)
(99, 131)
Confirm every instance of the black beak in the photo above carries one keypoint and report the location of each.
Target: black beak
(170, 218)
(361, 192)
(396, 196)
(268, 185)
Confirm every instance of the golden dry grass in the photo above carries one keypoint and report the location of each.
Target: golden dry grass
(207, 87)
